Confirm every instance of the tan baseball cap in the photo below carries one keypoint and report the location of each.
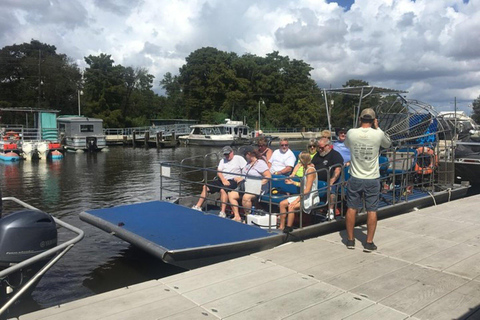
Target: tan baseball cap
(367, 114)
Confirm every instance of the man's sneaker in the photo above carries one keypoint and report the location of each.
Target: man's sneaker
(222, 214)
(197, 208)
(331, 214)
(369, 247)
(351, 244)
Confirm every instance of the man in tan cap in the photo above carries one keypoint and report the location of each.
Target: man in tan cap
(364, 144)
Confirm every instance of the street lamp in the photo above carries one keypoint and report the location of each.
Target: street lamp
(80, 92)
(261, 100)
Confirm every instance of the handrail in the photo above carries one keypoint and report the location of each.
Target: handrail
(64, 246)
(398, 177)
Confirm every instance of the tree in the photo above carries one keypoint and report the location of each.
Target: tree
(35, 75)
(476, 110)
(122, 96)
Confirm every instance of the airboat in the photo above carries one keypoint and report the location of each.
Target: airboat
(417, 171)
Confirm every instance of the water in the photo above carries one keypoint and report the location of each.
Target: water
(82, 181)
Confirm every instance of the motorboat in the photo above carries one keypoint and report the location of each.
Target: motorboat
(229, 133)
(81, 133)
(467, 141)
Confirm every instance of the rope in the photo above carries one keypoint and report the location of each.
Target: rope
(433, 198)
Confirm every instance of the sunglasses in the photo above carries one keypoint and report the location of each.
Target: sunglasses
(342, 133)
(323, 147)
(284, 145)
(312, 147)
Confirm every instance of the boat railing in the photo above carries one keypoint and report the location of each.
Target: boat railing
(404, 171)
(59, 251)
(21, 133)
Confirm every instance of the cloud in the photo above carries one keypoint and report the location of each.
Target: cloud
(429, 48)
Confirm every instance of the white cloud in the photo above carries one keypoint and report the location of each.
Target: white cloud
(429, 48)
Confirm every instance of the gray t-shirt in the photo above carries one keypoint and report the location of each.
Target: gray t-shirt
(364, 145)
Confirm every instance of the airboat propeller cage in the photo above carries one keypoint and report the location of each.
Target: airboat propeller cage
(24, 234)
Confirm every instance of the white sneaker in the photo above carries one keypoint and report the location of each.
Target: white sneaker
(331, 214)
(197, 208)
(222, 214)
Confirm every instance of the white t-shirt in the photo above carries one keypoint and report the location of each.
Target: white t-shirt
(255, 169)
(234, 166)
(364, 145)
(281, 160)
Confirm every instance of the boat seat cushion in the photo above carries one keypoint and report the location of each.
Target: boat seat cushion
(281, 190)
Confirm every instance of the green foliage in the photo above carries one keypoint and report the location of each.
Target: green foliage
(213, 84)
(34, 75)
(476, 110)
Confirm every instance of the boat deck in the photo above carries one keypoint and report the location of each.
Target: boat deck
(427, 267)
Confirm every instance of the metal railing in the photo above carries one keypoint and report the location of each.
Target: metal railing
(399, 176)
(61, 249)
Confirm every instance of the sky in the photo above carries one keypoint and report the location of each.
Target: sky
(430, 48)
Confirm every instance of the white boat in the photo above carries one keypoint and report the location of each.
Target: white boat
(229, 133)
(81, 133)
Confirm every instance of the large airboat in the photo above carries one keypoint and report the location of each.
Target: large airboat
(417, 171)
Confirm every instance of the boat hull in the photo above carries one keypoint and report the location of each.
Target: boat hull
(468, 170)
(9, 157)
(206, 141)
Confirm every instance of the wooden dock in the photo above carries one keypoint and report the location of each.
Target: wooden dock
(427, 267)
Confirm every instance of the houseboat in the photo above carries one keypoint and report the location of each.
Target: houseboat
(81, 133)
(229, 133)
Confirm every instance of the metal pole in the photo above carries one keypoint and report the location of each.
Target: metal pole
(259, 114)
(78, 91)
(326, 108)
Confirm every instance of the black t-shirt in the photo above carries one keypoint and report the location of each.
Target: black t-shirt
(332, 158)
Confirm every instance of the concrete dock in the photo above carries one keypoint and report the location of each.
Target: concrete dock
(427, 267)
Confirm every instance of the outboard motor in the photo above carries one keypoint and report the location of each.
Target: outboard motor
(92, 143)
(24, 234)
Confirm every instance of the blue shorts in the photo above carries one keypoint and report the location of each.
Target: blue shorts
(357, 189)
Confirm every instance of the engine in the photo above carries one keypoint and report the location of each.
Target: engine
(24, 234)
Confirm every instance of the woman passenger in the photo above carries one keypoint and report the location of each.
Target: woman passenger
(310, 185)
(256, 167)
(312, 150)
(264, 150)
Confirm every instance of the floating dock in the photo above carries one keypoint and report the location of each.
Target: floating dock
(427, 267)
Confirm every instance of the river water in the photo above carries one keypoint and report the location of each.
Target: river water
(82, 181)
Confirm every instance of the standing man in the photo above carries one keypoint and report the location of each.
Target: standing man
(282, 160)
(340, 146)
(230, 163)
(331, 160)
(364, 144)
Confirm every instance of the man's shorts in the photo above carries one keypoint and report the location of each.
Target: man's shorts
(363, 188)
(215, 186)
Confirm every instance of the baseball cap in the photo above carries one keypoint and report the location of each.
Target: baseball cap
(367, 114)
(227, 150)
(341, 130)
(248, 149)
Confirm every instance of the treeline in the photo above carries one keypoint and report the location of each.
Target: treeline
(212, 85)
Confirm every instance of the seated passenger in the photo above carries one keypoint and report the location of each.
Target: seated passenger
(330, 159)
(264, 150)
(283, 159)
(310, 183)
(231, 163)
(312, 150)
(326, 134)
(256, 167)
(340, 146)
